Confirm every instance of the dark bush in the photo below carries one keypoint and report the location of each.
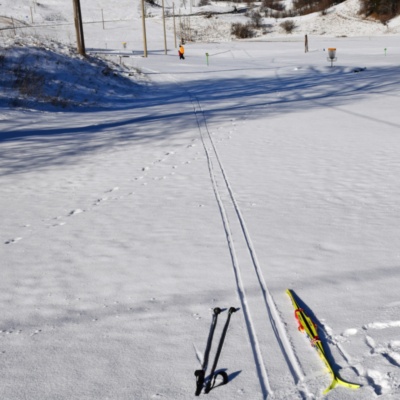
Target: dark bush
(383, 10)
(304, 7)
(273, 5)
(242, 31)
(288, 26)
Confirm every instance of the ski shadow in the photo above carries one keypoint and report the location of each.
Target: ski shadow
(323, 336)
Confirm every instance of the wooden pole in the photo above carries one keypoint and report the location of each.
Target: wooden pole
(102, 17)
(31, 15)
(144, 30)
(165, 32)
(78, 34)
(173, 10)
(79, 28)
(180, 26)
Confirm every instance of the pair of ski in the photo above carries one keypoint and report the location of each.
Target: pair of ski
(307, 325)
(201, 373)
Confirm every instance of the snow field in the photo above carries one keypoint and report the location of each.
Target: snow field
(124, 224)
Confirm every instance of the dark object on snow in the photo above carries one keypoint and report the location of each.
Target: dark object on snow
(213, 375)
(181, 52)
(201, 373)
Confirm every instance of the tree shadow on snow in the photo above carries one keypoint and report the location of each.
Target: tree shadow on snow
(167, 109)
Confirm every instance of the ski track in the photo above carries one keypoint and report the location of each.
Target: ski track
(260, 365)
(228, 206)
(275, 328)
(276, 324)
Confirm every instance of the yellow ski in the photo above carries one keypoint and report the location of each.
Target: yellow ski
(306, 324)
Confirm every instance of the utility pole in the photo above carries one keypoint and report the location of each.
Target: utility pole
(144, 30)
(173, 8)
(180, 27)
(79, 27)
(165, 33)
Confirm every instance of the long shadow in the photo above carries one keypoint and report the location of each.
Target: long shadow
(153, 112)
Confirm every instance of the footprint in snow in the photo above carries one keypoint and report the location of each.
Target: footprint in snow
(113, 189)
(60, 224)
(379, 381)
(98, 201)
(11, 241)
(382, 325)
(395, 345)
(75, 212)
(349, 332)
(370, 343)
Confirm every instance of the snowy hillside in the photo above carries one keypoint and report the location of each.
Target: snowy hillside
(48, 28)
(140, 194)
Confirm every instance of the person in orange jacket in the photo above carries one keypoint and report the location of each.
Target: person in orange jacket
(181, 52)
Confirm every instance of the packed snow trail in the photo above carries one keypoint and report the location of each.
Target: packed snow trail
(242, 253)
(231, 229)
(259, 362)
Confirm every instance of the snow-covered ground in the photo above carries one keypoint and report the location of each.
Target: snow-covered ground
(144, 192)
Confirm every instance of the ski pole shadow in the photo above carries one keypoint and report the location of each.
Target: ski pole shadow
(225, 377)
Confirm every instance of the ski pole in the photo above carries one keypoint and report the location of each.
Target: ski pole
(213, 375)
(200, 373)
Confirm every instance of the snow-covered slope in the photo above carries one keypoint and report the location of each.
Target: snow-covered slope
(180, 186)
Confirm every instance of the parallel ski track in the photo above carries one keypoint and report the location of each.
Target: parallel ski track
(276, 322)
(272, 311)
(260, 364)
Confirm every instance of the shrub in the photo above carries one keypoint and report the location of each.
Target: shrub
(383, 10)
(242, 31)
(273, 5)
(256, 19)
(288, 26)
(28, 82)
(304, 7)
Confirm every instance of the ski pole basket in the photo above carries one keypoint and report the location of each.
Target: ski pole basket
(331, 55)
